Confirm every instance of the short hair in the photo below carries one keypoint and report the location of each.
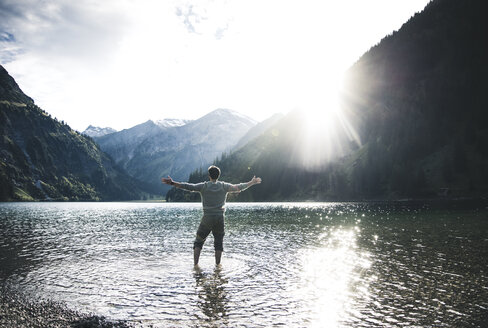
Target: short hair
(214, 172)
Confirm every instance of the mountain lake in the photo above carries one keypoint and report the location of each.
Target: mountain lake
(398, 264)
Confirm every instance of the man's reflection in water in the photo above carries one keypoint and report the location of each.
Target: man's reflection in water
(212, 296)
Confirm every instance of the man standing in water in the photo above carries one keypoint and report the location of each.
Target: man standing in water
(214, 195)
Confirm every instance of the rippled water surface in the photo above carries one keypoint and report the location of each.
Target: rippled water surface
(290, 264)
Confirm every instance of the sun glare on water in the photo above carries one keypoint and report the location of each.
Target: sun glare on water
(332, 278)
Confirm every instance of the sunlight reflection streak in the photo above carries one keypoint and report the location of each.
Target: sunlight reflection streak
(332, 278)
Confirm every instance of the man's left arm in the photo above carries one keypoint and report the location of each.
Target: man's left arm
(243, 186)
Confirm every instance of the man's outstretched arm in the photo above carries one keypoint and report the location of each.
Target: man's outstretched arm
(170, 182)
(182, 185)
(243, 186)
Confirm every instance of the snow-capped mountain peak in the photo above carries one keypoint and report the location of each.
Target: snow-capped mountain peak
(157, 148)
(225, 113)
(95, 131)
(171, 122)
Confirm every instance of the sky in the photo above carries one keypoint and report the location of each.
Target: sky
(118, 63)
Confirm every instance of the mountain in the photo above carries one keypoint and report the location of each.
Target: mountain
(152, 150)
(123, 144)
(258, 130)
(171, 122)
(10, 90)
(422, 94)
(44, 159)
(417, 104)
(284, 156)
(95, 131)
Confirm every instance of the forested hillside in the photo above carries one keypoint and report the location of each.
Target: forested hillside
(44, 159)
(418, 103)
(422, 93)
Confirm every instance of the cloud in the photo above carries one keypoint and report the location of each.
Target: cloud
(8, 48)
(54, 30)
(205, 18)
(220, 32)
(57, 50)
(189, 17)
(120, 62)
(9, 9)
(6, 37)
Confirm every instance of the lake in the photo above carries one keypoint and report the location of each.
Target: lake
(284, 264)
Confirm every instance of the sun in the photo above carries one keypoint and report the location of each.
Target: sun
(327, 130)
(323, 115)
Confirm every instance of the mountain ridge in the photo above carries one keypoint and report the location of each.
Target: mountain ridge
(149, 151)
(44, 159)
(95, 131)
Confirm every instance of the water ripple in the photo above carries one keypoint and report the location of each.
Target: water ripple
(285, 264)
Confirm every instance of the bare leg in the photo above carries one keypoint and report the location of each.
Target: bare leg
(196, 255)
(218, 256)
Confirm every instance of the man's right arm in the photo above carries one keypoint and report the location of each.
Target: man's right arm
(182, 185)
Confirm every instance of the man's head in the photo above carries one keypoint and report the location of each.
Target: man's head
(213, 172)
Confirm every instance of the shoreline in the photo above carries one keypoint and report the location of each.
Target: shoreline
(480, 199)
(16, 310)
(434, 198)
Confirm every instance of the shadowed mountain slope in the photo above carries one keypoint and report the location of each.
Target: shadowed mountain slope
(43, 159)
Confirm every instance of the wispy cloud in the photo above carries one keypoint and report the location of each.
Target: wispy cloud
(6, 37)
(9, 50)
(62, 29)
(190, 18)
(210, 18)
